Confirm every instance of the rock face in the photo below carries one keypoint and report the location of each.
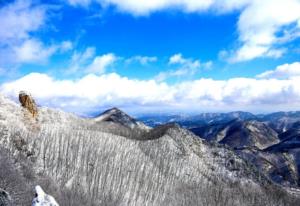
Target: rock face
(5, 199)
(28, 102)
(42, 199)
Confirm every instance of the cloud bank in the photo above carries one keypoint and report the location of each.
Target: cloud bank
(92, 92)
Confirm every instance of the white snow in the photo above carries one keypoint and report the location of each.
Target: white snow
(43, 199)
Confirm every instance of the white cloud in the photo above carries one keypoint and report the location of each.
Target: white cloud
(81, 59)
(141, 59)
(83, 3)
(137, 7)
(18, 19)
(259, 24)
(162, 76)
(32, 50)
(66, 46)
(179, 59)
(264, 26)
(100, 63)
(187, 67)
(284, 71)
(18, 22)
(114, 90)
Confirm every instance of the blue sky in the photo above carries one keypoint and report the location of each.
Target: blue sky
(150, 56)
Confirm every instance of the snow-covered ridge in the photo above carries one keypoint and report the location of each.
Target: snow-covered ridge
(103, 164)
(118, 116)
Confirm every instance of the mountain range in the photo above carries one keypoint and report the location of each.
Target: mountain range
(270, 141)
(113, 159)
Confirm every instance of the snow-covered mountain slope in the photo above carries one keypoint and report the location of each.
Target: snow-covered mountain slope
(281, 167)
(238, 133)
(281, 121)
(107, 164)
(271, 142)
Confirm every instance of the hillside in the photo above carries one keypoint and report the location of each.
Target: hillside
(106, 163)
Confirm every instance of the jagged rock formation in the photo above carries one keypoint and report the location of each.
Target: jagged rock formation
(167, 165)
(5, 199)
(28, 103)
(43, 199)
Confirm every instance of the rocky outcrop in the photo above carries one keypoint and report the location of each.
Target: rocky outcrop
(5, 199)
(28, 103)
(42, 199)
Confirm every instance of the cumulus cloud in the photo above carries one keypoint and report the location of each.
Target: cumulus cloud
(18, 21)
(259, 24)
(92, 92)
(263, 26)
(100, 63)
(285, 71)
(88, 62)
(144, 60)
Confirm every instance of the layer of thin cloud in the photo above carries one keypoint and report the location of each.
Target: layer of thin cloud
(108, 90)
(187, 67)
(284, 71)
(144, 60)
(259, 24)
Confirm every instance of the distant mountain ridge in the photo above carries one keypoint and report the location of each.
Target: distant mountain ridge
(270, 141)
(205, 118)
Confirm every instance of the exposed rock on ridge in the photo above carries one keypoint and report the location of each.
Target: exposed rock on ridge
(28, 103)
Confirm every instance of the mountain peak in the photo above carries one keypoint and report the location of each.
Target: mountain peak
(118, 116)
